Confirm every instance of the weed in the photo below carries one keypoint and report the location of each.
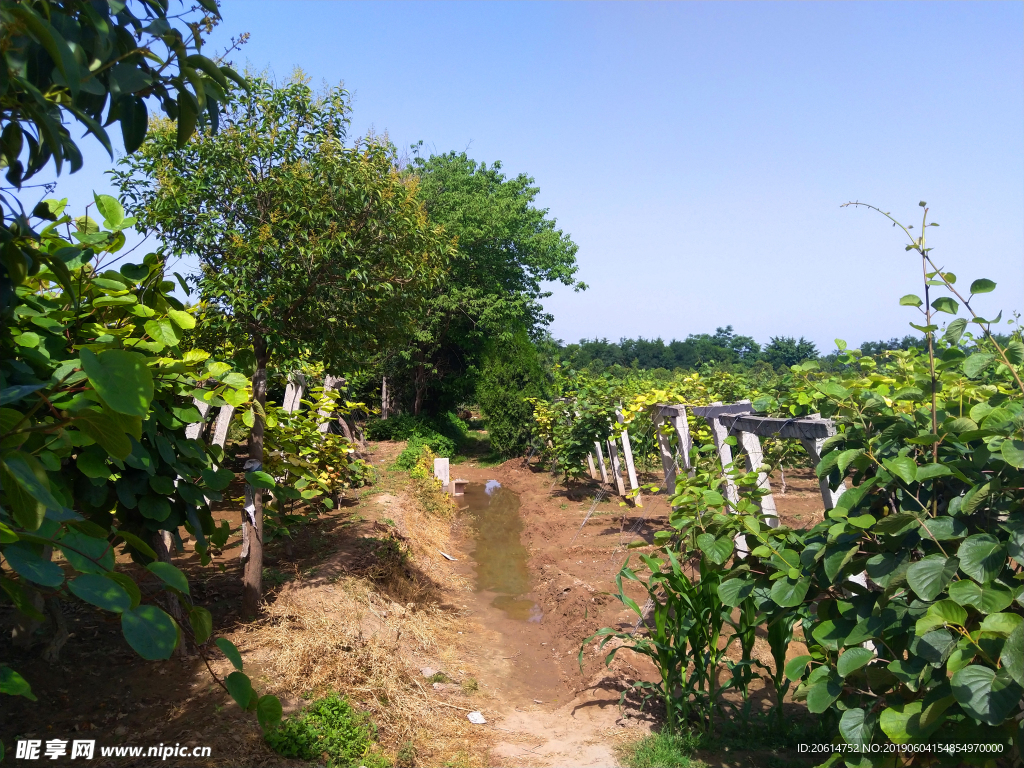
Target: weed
(662, 750)
(388, 521)
(273, 577)
(469, 685)
(406, 757)
(439, 677)
(329, 726)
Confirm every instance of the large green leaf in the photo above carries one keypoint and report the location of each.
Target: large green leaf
(231, 651)
(717, 550)
(912, 721)
(169, 575)
(990, 598)
(858, 726)
(27, 511)
(151, 632)
(30, 478)
(154, 507)
(31, 566)
(734, 591)
(985, 694)
(240, 688)
(929, 577)
(941, 614)
(101, 592)
(268, 711)
(976, 363)
(202, 623)
(87, 554)
(106, 432)
(789, 593)
(853, 659)
(821, 695)
(121, 378)
(935, 646)
(982, 557)
(13, 684)
(1012, 657)
(218, 480)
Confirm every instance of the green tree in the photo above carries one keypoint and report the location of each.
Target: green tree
(313, 247)
(506, 249)
(511, 373)
(787, 351)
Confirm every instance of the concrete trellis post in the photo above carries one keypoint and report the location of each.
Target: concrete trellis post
(220, 427)
(719, 432)
(331, 384)
(294, 391)
(627, 454)
(755, 458)
(384, 409)
(195, 429)
(600, 461)
(613, 453)
(676, 415)
(590, 465)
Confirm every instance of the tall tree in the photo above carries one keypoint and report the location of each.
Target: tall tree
(787, 351)
(314, 247)
(507, 249)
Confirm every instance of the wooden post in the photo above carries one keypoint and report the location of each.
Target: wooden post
(600, 462)
(220, 427)
(293, 392)
(194, 430)
(627, 454)
(613, 452)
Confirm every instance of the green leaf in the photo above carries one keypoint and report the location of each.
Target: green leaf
(231, 651)
(137, 543)
(982, 285)
(990, 598)
(853, 659)
(170, 575)
(110, 208)
(734, 591)
(202, 623)
(985, 694)
(27, 564)
(127, 585)
(982, 557)
(87, 554)
(718, 550)
(151, 632)
(929, 577)
(910, 300)
(14, 684)
(1001, 623)
(218, 480)
(154, 507)
(240, 688)
(183, 320)
(789, 593)
(941, 614)
(268, 712)
(102, 428)
(260, 480)
(121, 378)
(955, 330)
(930, 471)
(92, 463)
(1015, 351)
(944, 529)
(164, 331)
(903, 467)
(821, 695)
(795, 668)
(857, 726)
(27, 511)
(100, 591)
(30, 475)
(1012, 452)
(1012, 657)
(976, 363)
(946, 304)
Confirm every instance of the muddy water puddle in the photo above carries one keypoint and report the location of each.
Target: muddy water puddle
(501, 560)
(520, 649)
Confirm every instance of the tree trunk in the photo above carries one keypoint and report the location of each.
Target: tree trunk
(384, 409)
(421, 385)
(51, 653)
(163, 545)
(252, 575)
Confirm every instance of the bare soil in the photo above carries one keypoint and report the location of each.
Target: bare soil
(542, 707)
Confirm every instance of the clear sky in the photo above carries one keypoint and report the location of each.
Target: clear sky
(698, 153)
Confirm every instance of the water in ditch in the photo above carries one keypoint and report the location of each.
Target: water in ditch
(499, 555)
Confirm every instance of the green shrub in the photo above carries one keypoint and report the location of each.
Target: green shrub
(662, 750)
(511, 374)
(329, 725)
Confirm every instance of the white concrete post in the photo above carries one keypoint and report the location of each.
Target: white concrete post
(220, 427)
(194, 430)
(600, 462)
(682, 427)
(441, 471)
(293, 392)
(828, 496)
(755, 458)
(719, 433)
(330, 385)
(590, 465)
(627, 454)
(668, 464)
(613, 452)
(384, 398)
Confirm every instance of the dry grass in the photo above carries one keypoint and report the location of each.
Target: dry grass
(366, 631)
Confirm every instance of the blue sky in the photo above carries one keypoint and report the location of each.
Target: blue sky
(698, 153)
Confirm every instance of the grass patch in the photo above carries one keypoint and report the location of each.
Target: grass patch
(661, 750)
(329, 727)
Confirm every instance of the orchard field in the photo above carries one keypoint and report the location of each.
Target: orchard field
(222, 526)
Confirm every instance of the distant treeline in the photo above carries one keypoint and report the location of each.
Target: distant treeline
(723, 348)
